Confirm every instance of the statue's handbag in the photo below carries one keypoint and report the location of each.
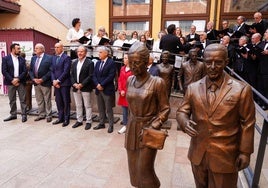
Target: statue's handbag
(153, 138)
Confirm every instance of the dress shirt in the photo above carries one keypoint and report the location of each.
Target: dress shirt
(78, 68)
(266, 46)
(16, 65)
(40, 59)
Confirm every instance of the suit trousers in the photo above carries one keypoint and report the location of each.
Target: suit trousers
(206, 178)
(105, 104)
(43, 99)
(79, 98)
(12, 99)
(63, 100)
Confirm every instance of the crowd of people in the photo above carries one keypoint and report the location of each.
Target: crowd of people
(134, 70)
(247, 47)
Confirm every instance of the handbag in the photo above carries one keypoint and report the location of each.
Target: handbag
(153, 138)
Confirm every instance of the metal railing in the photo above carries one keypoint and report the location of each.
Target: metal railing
(253, 175)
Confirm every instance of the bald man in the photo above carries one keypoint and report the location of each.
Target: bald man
(61, 80)
(41, 76)
(218, 113)
(259, 25)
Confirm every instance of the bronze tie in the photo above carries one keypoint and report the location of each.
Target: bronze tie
(212, 94)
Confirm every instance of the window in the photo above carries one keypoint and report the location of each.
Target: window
(243, 5)
(185, 7)
(185, 25)
(184, 13)
(130, 15)
(131, 7)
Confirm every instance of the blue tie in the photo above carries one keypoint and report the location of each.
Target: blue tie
(101, 65)
(58, 59)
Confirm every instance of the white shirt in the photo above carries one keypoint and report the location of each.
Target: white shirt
(155, 50)
(78, 68)
(118, 53)
(131, 41)
(95, 42)
(266, 46)
(40, 59)
(74, 35)
(16, 65)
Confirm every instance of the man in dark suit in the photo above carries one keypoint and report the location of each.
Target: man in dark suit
(212, 34)
(192, 36)
(218, 112)
(241, 28)
(259, 25)
(171, 43)
(14, 72)
(60, 76)
(263, 69)
(230, 49)
(103, 77)
(252, 65)
(81, 77)
(40, 74)
(151, 68)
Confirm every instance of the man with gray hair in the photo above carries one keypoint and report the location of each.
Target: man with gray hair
(40, 74)
(103, 78)
(81, 77)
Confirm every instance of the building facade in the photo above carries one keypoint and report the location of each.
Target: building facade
(156, 15)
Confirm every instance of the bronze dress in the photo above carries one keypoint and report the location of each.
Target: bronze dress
(149, 106)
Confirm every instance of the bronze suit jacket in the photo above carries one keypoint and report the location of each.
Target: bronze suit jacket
(190, 74)
(226, 129)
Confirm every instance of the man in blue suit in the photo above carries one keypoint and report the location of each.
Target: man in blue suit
(41, 76)
(103, 78)
(60, 76)
(14, 72)
(151, 68)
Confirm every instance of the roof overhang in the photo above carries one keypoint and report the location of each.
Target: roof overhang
(9, 6)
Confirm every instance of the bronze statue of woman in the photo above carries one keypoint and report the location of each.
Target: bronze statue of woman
(149, 107)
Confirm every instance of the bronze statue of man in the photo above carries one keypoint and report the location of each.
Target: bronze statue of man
(149, 107)
(218, 112)
(191, 71)
(166, 70)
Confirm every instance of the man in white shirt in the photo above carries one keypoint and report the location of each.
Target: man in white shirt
(14, 72)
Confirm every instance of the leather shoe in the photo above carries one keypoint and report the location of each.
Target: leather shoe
(49, 119)
(23, 118)
(39, 118)
(99, 126)
(88, 126)
(65, 123)
(10, 118)
(77, 124)
(57, 122)
(110, 129)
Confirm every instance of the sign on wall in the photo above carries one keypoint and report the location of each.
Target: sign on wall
(3, 52)
(27, 48)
